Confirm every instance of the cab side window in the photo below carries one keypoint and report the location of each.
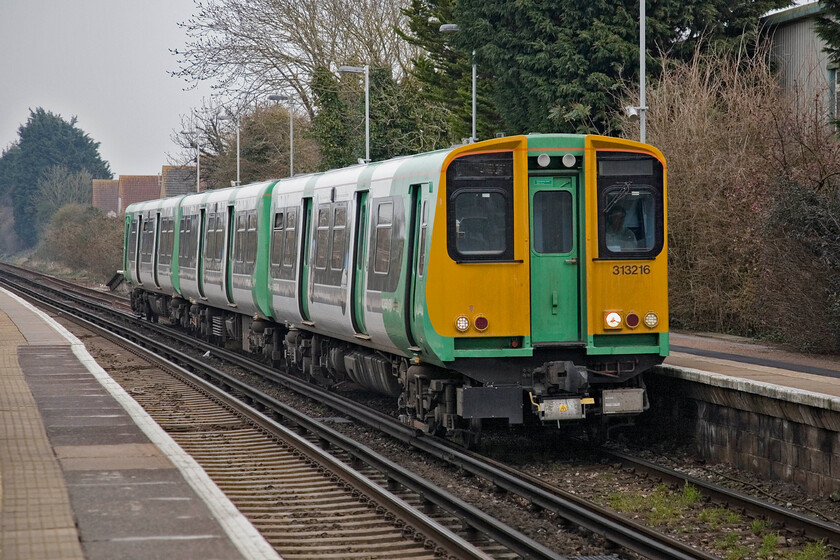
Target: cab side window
(479, 214)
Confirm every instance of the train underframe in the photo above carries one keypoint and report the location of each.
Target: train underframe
(550, 388)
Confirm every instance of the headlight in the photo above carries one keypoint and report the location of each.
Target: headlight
(651, 320)
(613, 320)
(462, 323)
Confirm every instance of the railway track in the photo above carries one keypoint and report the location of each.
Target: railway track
(306, 502)
(613, 527)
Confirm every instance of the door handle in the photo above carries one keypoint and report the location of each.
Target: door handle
(573, 260)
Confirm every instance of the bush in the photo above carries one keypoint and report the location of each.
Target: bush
(753, 213)
(84, 240)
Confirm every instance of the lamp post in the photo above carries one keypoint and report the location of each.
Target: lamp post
(366, 71)
(291, 130)
(453, 28)
(642, 106)
(197, 158)
(236, 122)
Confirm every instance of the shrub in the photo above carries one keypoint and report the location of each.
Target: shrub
(753, 213)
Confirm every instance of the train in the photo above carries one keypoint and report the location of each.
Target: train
(520, 279)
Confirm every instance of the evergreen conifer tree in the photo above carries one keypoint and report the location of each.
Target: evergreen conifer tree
(46, 140)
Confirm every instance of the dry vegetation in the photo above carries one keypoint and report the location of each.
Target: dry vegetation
(85, 241)
(753, 213)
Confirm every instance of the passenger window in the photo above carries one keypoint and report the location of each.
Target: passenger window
(132, 242)
(338, 237)
(220, 239)
(210, 244)
(322, 237)
(289, 248)
(187, 240)
(166, 241)
(251, 238)
(147, 242)
(382, 246)
(277, 240)
(239, 252)
(553, 222)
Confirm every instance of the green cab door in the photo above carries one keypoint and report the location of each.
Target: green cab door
(359, 279)
(555, 267)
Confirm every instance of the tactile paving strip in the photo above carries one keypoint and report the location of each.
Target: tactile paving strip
(36, 521)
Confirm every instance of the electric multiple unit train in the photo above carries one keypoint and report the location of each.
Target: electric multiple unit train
(520, 278)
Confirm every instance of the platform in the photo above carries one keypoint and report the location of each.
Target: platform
(757, 367)
(85, 473)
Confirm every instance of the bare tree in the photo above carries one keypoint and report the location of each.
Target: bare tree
(754, 222)
(256, 47)
(57, 187)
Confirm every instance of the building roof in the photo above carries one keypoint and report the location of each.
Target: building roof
(792, 14)
(177, 180)
(138, 188)
(106, 193)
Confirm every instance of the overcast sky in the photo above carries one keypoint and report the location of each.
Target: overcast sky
(105, 61)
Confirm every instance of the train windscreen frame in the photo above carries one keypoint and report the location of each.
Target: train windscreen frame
(631, 223)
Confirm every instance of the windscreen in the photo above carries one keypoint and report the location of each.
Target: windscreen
(630, 206)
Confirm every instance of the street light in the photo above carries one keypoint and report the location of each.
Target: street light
(291, 130)
(642, 107)
(197, 158)
(236, 122)
(453, 28)
(366, 71)
(640, 111)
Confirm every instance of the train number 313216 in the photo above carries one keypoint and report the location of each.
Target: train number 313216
(631, 269)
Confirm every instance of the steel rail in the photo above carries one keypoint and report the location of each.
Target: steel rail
(811, 526)
(612, 526)
(431, 494)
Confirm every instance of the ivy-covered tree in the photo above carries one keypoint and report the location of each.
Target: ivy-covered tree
(560, 65)
(444, 72)
(331, 125)
(46, 140)
(401, 122)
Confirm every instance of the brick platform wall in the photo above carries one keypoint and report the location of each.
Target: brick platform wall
(777, 439)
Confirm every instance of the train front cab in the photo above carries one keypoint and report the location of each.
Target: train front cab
(622, 312)
(528, 298)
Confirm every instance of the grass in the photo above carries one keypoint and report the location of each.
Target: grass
(812, 551)
(661, 507)
(758, 526)
(715, 517)
(769, 544)
(664, 506)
